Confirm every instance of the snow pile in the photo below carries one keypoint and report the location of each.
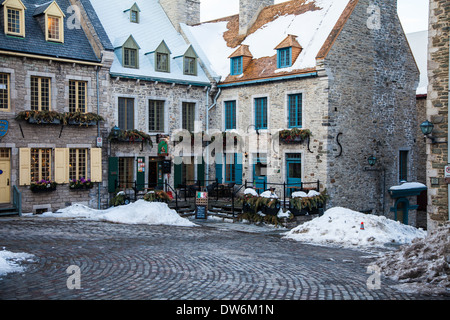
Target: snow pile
(251, 192)
(269, 194)
(342, 226)
(139, 212)
(301, 194)
(9, 261)
(422, 266)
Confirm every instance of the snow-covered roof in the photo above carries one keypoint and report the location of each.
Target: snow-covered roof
(311, 21)
(154, 27)
(418, 41)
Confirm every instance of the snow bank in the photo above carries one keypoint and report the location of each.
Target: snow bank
(342, 226)
(251, 192)
(9, 261)
(422, 266)
(139, 212)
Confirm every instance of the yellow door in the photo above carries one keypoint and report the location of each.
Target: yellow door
(5, 183)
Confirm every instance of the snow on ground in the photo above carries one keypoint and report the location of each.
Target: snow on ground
(9, 261)
(139, 212)
(341, 226)
(422, 266)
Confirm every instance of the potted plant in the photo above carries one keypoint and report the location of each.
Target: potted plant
(130, 136)
(120, 199)
(43, 186)
(81, 184)
(302, 204)
(249, 201)
(82, 119)
(158, 196)
(294, 135)
(40, 117)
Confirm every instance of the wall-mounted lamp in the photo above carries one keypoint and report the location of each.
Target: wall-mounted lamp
(372, 160)
(427, 128)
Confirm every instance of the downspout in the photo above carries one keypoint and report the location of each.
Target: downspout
(98, 127)
(207, 122)
(448, 125)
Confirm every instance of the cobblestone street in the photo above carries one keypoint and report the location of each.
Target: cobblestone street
(173, 263)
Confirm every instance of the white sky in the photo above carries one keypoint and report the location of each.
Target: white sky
(412, 13)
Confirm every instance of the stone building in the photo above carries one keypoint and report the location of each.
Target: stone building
(341, 70)
(157, 86)
(437, 113)
(52, 71)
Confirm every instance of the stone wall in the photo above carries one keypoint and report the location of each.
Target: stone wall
(249, 11)
(437, 111)
(24, 135)
(182, 11)
(372, 109)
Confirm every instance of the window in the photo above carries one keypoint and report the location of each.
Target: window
(261, 113)
(156, 116)
(14, 18)
(236, 66)
(134, 16)
(284, 57)
(230, 167)
(126, 172)
(403, 166)
(162, 62)
(54, 28)
(4, 92)
(77, 96)
(126, 113)
(77, 164)
(295, 110)
(190, 66)
(130, 58)
(40, 94)
(188, 122)
(230, 115)
(40, 164)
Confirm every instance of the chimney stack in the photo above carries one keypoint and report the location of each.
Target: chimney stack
(249, 11)
(182, 11)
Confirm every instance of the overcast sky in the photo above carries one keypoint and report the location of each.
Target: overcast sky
(412, 13)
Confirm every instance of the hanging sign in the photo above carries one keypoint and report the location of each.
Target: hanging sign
(4, 124)
(163, 150)
(447, 171)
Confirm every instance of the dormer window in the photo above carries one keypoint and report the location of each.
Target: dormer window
(288, 51)
(14, 17)
(162, 58)
(190, 62)
(51, 18)
(130, 53)
(134, 13)
(239, 60)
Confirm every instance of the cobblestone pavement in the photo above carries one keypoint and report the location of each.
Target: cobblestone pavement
(163, 262)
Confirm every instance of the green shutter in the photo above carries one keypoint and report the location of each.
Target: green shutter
(160, 175)
(178, 175)
(238, 168)
(113, 173)
(219, 175)
(140, 174)
(201, 171)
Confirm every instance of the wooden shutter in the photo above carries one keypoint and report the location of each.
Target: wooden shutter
(178, 175)
(219, 174)
(96, 165)
(238, 168)
(113, 174)
(25, 166)
(201, 171)
(61, 165)
(140, 173)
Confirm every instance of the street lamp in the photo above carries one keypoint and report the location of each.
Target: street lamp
(372, 160)
(427, 128)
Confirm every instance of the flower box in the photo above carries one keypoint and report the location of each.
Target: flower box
(294, 136)
(40, 117)
(37, 121)
(81, 184)
(82, 119)
(43, 186)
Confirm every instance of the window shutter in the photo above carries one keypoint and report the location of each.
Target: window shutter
(140, 174)
(201, 171)
(61, 165)
(219, 175)
(113, 174)
(96, 165)
(238, 168)
(178, 175)
(25, 166)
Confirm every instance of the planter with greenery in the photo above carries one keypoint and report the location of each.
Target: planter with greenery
(43, 186)
(158, 196)
(295, 135)
(308, 204)
(41, 117)
(130, 136)
(81, 184)
(120, 199)
(82, 119)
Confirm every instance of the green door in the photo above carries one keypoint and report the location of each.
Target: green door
(113, 174)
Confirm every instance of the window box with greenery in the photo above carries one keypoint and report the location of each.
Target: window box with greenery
(81, 184)
(82, 119)
(43, 186)
(41, 117)
(302, 204)
(295, 136)
(130, 136)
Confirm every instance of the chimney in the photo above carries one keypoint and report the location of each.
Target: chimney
(249, 11)
(182, 11)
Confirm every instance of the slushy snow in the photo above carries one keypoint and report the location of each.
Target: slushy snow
(341, 226)
(9, 261)
(139, 212)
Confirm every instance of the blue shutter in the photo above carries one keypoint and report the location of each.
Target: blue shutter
(219, 172)
(238, 168)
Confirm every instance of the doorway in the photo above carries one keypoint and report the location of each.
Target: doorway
(402, 210)
(5, 176)
(293, 172)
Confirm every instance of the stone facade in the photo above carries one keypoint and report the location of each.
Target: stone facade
(437, 111)
(249, 11)
(182, 11)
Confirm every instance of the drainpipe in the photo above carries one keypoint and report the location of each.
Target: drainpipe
(207, 122)
(98, 126)
(448, 124)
